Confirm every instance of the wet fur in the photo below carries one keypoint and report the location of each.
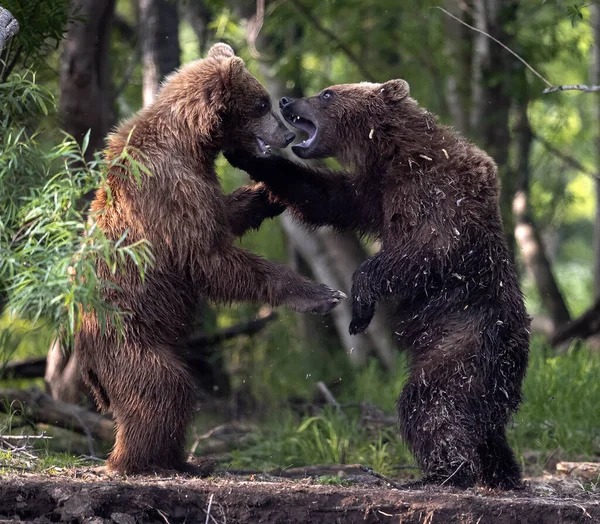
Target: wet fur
(432, 198)
(139, 373)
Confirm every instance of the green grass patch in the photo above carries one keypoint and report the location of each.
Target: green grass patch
(560, 414)
(328, 480)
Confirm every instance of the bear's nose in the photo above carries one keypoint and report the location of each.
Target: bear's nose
(289, 137)
(284, 101)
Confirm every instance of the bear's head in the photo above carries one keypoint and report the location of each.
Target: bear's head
(219, 97)
(346, 117)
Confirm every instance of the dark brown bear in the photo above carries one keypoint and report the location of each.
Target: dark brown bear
(432, 199)
(180, 209)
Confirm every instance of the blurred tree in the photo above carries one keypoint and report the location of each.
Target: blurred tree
(85, 81)
(159, 35)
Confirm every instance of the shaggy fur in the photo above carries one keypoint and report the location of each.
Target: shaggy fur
(432, 199)
(139, 373)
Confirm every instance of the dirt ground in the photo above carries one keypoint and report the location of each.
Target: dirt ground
(81, 496)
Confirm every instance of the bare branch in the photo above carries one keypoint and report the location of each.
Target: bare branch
(379, 476)
(575, 87)
(254, 26)
(25, 437)
(498, 42)
(551, 88)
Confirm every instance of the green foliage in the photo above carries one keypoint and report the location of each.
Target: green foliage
(48, 251)
(42, 26)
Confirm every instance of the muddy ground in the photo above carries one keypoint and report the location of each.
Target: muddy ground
(80, 496)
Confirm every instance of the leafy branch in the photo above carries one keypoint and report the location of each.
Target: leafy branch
(48, 251)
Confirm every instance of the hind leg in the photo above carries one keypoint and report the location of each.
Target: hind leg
(152, 403)
(499, 467)
(441, 430)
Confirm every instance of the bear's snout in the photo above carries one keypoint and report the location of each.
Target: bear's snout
(289, 138)
(285, 101)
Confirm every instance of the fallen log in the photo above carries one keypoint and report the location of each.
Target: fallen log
(26, 368)
(39, 407)
(56, 498)
(36, 367)
(583, 327)
(586, 470)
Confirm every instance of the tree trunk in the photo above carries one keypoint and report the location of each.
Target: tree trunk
(159, 34)
(84, 74)
(527, 235)
(457, 49)
(333, 258)
(492, 95)
(198, 14)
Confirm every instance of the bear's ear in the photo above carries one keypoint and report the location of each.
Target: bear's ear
(395, 90)
(220, 51)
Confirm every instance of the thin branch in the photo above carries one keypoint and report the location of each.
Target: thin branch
(209, 506)
(133, 62)
(25, 437)
(333, 37)
(327, 395)
(574, 87)
(387, 480)
(498, 42)
(566, 158)
(551, 88)
(254, 26)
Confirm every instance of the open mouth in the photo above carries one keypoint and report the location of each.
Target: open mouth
(304, 124)
(263, 147)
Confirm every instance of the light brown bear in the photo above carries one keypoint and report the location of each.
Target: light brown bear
(139, 373)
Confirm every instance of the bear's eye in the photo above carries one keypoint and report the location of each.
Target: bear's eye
(262, 106)
(327, 95)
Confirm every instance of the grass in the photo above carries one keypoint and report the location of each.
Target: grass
(330, 438)
(562, 405)
(560, 416)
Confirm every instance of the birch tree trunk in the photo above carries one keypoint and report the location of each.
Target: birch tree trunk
(331, 257)
(457, 49)
(159, 35)
(527, 235)
(491, 87)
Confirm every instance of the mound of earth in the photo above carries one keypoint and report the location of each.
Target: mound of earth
(81, 496)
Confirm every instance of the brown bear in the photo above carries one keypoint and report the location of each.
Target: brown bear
(432, 198)
(138, 371)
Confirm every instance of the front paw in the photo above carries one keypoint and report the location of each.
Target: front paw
(274, 206)
(362, 314)
(321, 301)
